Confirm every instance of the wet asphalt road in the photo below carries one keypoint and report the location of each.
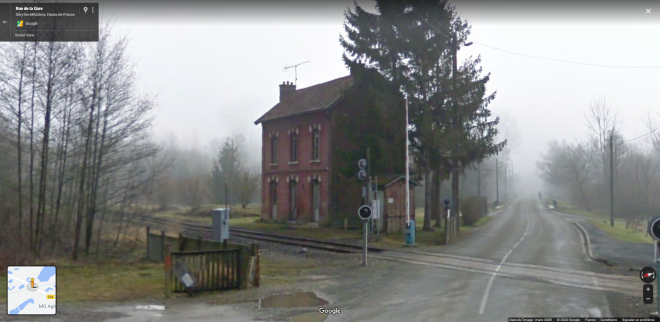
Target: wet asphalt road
(521, 239)
(524, 233)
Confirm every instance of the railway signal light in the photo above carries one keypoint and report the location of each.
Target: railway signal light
(362, 173)
(654, 228)
(364, 212)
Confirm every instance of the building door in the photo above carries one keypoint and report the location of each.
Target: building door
(293, 189)
(380, 196)
(273, 200)
(316, 200)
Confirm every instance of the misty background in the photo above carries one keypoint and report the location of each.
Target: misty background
(218, 72)
(187, 80)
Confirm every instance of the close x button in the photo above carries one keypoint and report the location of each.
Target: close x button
(647, 294)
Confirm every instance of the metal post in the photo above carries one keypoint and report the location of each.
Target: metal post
(168, 271)
(657, 269)
(369, 198)
(377, 210)
(162, 246)
(447, 227)
(506, 187)
(364, 245)
(497, 181)
(407, 175)
(479, 179)
(612, 182)
(456, 128)
(226, 199)
(148, 246)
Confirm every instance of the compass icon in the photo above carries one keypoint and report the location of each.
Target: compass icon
(647, 274)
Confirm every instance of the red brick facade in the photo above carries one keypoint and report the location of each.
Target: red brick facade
(305, 171)
(320, 188)
(395, 212)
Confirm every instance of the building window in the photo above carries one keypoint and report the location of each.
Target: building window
(316, 144)
(273, 193)
(293, 192)
(273, 149)
(273, 199)
(294, 146)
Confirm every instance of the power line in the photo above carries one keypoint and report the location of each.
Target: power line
(642, 136)
(563, 60)
(538, 57)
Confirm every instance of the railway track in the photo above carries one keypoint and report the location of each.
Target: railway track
(256, 235)
(559, 276)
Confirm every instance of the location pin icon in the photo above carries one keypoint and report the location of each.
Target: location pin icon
(85, 9)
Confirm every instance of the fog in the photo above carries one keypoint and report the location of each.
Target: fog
(216, 68)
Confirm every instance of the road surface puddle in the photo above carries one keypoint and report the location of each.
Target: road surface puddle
(309, 317)
(301, 299)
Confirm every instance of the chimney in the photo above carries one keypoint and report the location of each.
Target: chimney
(286, 89)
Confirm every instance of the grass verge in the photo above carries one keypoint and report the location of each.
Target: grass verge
(423, 238)
(277, 272)
(482, 221)
(618, 232)
(323, 233)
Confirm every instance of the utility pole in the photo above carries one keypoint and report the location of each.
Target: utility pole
(454, 163)
(497, 181)
(479, 179)
(506, 187)
(407, 171)
(513, 180)
(612, 178)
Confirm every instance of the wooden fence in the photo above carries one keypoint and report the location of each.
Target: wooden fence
(212, 265)
(213, 269)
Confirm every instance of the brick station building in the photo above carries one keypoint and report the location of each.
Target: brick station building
(308, 152)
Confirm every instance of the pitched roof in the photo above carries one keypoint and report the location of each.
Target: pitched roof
(314, 98)
(413, 182)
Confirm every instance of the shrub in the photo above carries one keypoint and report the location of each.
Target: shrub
(472, 209)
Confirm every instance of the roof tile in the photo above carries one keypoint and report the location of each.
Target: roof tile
(318, 97)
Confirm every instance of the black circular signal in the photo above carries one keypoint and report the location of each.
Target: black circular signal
(364, 212)
(654, 228)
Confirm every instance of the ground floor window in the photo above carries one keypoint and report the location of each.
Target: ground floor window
(293, 192)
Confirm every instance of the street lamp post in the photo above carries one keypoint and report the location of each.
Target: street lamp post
(457, 128)
(497, 180)
(481, 137)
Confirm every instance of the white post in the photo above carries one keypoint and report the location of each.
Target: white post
(407, 172)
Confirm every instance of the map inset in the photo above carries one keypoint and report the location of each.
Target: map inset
(31, 290)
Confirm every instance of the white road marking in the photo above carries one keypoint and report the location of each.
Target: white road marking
(482, 307)
(595, 280)
(584, 250)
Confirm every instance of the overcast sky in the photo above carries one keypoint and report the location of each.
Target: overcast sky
(216, 68)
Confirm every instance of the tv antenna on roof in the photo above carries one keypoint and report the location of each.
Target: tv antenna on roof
(295, 68)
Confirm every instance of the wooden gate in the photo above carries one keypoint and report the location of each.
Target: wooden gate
(212, 270)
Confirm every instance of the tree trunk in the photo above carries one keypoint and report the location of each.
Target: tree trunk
(62, 171)
(34, 89)
(83, 172)
(96, 167)
(18, 146)
(437, 180)
(427, 198)
(105, 209)
(434, 196)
